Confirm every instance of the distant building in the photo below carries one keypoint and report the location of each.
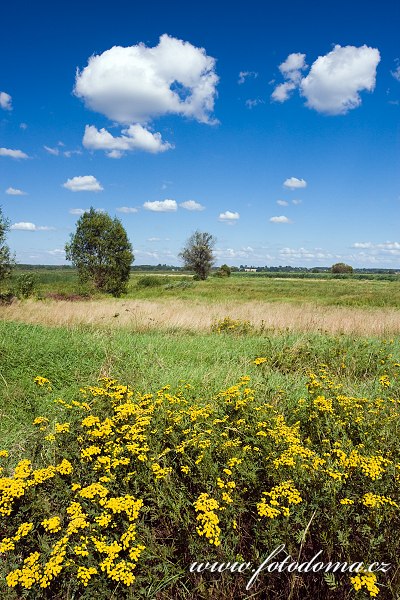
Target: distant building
(250, 270)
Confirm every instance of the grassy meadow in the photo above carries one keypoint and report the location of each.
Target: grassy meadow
(199, 421)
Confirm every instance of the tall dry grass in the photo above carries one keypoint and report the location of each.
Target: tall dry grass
(144, 315)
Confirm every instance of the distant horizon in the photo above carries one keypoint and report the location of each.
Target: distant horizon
(217, 266)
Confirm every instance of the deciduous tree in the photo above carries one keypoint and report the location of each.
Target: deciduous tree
(101, 252)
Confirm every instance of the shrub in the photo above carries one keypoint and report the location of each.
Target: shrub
(341, 268)
(229, 325)
(25, 285)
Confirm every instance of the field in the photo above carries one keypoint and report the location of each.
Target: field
(200, 421)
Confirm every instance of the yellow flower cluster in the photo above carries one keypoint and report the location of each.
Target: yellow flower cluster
(208, 518)
(272, 508)
(365, 580)
(81, 519)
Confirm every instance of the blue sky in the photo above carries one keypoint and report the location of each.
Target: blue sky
(275, 128)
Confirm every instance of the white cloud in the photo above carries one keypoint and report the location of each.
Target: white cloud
(86, 183)
(56, 252)
(253, 102)
(138, 83)
(396, 72)
(154, 239)
(386, 247)
(69, 153)
(291, 68)
(161, 206)
(283, 91)
(335, 80)
(296, 202)
(192, 205)
(243, 75)
(228, 216)
(281, 219)
(127, 209)
(282, 203)
(13, 153)
(58, 152)
(15, 192)
(5, 101)
(293, 183)
(23, 126)
(26, 226)
(304, 254)
(135, 137)
(78, 211)
(53, 151)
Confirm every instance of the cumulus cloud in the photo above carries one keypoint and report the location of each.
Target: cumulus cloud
(192, 205)
(13, 153)
(85, 183)
(281, 219)
(161, 206)
(243, 75)
(127, 209)
(291, 68)
(282, 203)
(228, 216)
(283, 91)
(5, 101)
(26, 226)
(334, 81)
(15, 192)
(138, 83)
(293, 183)
(135, 137)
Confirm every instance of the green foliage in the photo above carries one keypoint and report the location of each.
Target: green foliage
(149, 281)
(223, 271)
(25, 285)
(341, 268)
(101, 252)
(198, 255)
(7, 261)
(236, 326)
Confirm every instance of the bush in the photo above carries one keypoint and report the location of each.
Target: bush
(25, 285)
(341, 268)
(228, 325)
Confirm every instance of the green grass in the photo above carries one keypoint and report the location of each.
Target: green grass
(147, 361)
(242, 288)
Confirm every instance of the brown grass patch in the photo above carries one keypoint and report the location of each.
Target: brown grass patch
(144, 315)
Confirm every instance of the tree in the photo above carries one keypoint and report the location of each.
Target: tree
(197, 254)
(341, 268)
(6, 259)
(101, 252)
